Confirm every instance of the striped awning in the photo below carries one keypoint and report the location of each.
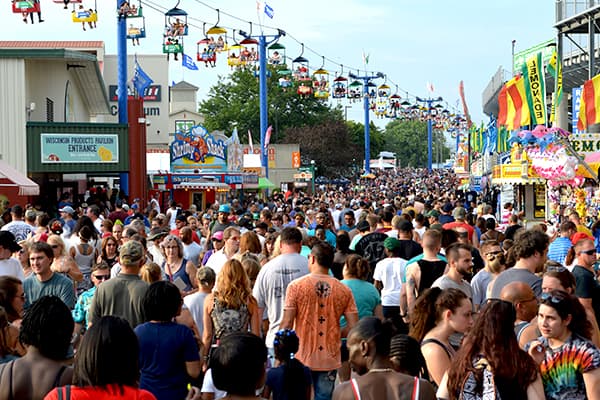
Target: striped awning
(518, 181)
(26, 186)
(219, 186)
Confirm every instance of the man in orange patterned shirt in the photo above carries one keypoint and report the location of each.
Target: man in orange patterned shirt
(314, 304)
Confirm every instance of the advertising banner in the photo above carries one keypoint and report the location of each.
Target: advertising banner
(198, 149)
(79, 148)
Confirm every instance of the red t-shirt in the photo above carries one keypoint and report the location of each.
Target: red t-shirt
(111, 392)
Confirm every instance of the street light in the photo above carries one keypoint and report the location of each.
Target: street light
(312, 173)
(429, 102)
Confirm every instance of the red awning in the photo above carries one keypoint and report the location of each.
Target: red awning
(26, 186)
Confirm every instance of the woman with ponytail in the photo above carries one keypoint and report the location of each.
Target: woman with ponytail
(437, 315)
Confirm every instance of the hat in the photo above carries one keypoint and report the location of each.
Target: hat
(67, 209)
(579, 236)
(134, 206)
(218, 235)
(181, 218)
(432, 213)
(459, 213)
(206, 275)
(156, 233)
(447, 207)
(136, 199)
(131, 252)
(338, 206)
(391, 243)
(125, 207)
(224, 208)
(363, 226)
(8, 241)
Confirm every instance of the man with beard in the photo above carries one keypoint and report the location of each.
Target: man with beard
(222, 219)
(530, 251)
(460, 265)
(494, 264)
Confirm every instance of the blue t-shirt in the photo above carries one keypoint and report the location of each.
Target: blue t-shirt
(366, 297)
(164, 349)
(275, 381)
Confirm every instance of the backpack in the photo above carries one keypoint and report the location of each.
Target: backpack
(474, 390)
(371, 247)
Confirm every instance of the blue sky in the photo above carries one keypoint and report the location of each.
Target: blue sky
(412, 42)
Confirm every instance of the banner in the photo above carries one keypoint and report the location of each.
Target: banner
(197, 149)
(576, 106)
(535, 89)
(555, 69)
(590, 103)
(79, 148)
(514, 111)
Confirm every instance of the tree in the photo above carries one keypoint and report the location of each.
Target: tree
(328, 144)
(408, 139)
(357, 136)
(236, 100)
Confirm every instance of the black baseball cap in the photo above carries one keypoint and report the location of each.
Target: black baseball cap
(8, 241)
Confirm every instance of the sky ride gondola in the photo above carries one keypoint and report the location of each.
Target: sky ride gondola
(321, 82)
(300, 67)
(218, 34)
(276, 54)
(67, 2)
(84, 15)
(27, 8)
(176, 27)
(136, 22)
(355, 90)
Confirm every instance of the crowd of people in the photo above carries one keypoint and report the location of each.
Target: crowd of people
(395, 287)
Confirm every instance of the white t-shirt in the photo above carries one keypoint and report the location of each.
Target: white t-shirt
(271, 284)
(20, 229)
(216, 261)
(195, 304)
(209, 387)
(387, 271)
(192, 252)
(11, 267)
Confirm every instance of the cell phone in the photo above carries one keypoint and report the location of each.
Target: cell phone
(181, 285)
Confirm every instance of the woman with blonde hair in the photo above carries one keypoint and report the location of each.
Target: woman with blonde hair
(151, 272)
(63, 263)
(230, 307)
(23, 257)
(176, 267)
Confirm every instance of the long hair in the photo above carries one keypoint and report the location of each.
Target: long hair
(493, 337)
(85, 221)
(57, 240)
(105, 242)
(4, 345)
(233, 287)
(406, 356)
(286, 345)
(430, 307)
(566, 304)
(9, 286)
(249, 242)
(108, 354)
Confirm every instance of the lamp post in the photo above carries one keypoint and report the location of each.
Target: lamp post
(312, 173)
(262, 89)
(367, 79)
(429, 102)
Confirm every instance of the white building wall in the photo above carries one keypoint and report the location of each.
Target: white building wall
(40, 87)
(13, 116)
(157, 67)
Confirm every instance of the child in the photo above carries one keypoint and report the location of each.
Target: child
(290, 380)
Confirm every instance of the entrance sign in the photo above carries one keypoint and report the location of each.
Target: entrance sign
(79, 148)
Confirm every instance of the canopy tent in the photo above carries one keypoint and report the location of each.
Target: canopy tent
(26, 186)
(265, 183)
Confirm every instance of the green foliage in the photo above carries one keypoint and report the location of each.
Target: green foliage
(408, 139)
(236, 100)
(356, 131)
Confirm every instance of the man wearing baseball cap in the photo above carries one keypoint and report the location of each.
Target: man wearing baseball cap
(222, 219)
(66, 217)
(122, 295)
(8, 265)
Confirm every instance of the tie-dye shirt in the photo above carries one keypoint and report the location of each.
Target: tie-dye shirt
(563, 368)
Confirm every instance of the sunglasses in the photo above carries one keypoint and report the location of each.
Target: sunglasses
(55, 246)
(556, 268)
(548, 296)
(494, 253)
(590, 252)
(102, 277)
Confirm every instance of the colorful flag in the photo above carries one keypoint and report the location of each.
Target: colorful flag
(141, 80)
(535, 89)
(269, 11)
(365, 58)
(189, 63)
(502, 145)
(590, 104)
(429, 87)
(514, 111)
(555, 69)
(268, 136)
(461, 92)
(250, 142)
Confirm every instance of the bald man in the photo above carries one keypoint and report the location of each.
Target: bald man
(523, 298)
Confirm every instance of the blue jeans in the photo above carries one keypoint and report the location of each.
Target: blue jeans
(324, 383)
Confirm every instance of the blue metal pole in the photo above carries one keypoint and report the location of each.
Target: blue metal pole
(262, 94)
(429, 141)
(367, 131)
(122, 84)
